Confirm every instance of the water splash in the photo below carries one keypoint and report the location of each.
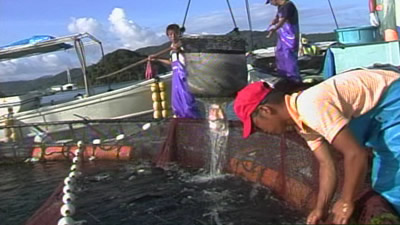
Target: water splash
(218, 133)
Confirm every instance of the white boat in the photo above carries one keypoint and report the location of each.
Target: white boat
(19, 103)
(132, 101)
(69, 86)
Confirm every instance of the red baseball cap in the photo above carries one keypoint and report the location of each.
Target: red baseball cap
(246, 102)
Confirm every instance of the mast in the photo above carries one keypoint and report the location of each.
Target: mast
(68, 76)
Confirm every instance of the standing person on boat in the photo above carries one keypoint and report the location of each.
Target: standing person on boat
(183, 102)
(350, 111)
(286, 25)
(10, 132)
(383, 15)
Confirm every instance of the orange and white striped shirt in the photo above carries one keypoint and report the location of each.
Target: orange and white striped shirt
(321, 111)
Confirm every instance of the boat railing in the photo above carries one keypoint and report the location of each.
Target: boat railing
(101, 133)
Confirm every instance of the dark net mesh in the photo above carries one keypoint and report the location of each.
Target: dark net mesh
(282, 163)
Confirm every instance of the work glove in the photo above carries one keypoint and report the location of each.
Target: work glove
(373, 19)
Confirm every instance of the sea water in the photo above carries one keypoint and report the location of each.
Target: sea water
(111, 193)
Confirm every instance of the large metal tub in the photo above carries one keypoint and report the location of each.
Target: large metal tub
(216, 65)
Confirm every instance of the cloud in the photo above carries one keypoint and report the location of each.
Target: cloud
(82, 25)
(120, 32)
(33, 67)
(129, 33)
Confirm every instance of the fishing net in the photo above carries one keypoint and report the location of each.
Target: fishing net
(282, 163)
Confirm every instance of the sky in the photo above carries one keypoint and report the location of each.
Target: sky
(132, 24)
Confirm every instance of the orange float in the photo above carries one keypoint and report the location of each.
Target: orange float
(102, 152)
(293, 191)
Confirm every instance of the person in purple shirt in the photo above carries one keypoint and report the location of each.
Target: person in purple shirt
(183, 101)
(286, 25)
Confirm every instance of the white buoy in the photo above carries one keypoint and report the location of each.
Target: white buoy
(74, 174)
(96, 141)
(68, 198)
(66, 221)
(73, 168)
(67, 189)
(120, 137)
(146, 126)
(76, 160)
(69, 180)
(38, 139)
(67, 210)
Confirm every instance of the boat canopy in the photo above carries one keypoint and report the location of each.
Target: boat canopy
(31, 46)
(44, 44)
(40, 44)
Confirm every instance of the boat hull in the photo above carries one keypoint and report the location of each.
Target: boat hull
(128, 102)
(19, 103)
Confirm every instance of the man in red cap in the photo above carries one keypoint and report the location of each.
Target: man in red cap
(350, 111)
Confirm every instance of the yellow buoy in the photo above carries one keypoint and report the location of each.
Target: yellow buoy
(161, 85)
(163, 96)
(165, 113)
(156, 106)
(154, 87)
(164, 104)
(155, 96)
(157, 114)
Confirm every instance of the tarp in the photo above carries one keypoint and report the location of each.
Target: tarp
(32, 40)
(38, 44)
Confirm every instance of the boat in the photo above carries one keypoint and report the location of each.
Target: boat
(19, 103)
(132, 101)
(69, 86)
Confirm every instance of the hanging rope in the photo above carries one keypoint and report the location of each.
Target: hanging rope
(250, 26)
(236, 29)
(333, 14)
(184, 19)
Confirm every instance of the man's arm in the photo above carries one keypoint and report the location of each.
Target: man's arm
(165, 61)
(275, 20)
(327, 183)
(355, 170)
(274, 28)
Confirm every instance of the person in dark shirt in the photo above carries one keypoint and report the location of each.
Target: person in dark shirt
(286, 25)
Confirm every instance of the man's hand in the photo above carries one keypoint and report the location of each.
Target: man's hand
(271, 30)
(342, 211)
(373, 19)
(315, 216)
(151, 58)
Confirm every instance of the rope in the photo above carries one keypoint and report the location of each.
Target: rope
(96, 121)
(250, 24)
(184, 19)
(236, 29)
(333, 14)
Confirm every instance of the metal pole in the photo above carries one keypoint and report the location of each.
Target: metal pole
(333, 14)
(80, 53)
(250, 26)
